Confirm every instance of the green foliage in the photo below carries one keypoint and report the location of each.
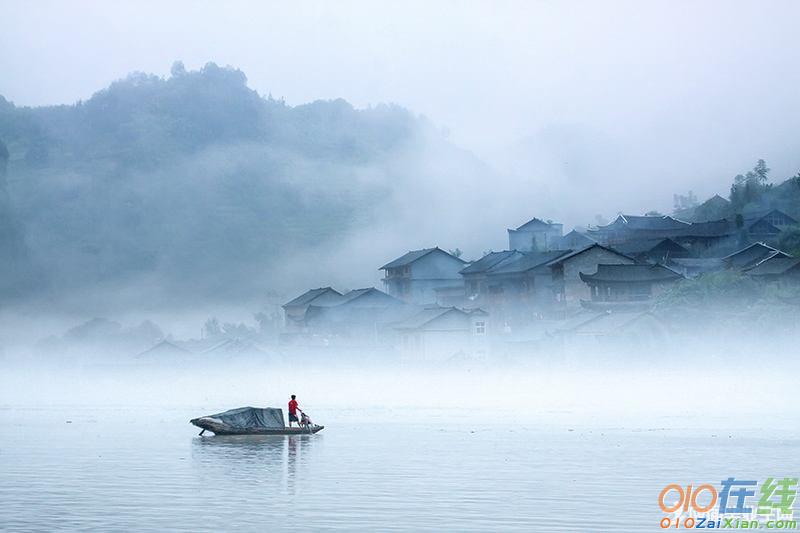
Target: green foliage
(751, 187)
(144, 120)
(717, 289)
(728, 303)
(196, 179)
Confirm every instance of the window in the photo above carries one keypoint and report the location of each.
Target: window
(480, 328)
(775, 219)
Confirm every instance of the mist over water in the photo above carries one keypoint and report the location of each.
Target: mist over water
(473, 448)
(97, 436)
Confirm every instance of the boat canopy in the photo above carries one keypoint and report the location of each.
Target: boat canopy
(252, 417)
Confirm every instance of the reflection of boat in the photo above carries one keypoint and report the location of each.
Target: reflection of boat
(250, 421)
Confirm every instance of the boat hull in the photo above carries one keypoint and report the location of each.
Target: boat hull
(218, 428)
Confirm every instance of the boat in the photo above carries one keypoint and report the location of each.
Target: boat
(251, 421)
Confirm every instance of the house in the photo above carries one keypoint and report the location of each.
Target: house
(566, 270)
(295, 310)
(439, 333)
(715, 207)
(632, 227)
(708, 237)
(535, 235)
(575, 240)
(475, 274)
(699, 239)
(762, 231)
(513, 286)
(653, 250)
(367, 298)
(757, 226)
(627, 286)
(783, 271)
(751, 255)
(774, 218)
(520, 288)
(722, 235)
(362, 316)
(415, 276)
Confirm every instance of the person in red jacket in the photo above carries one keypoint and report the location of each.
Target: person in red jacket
(293, 411)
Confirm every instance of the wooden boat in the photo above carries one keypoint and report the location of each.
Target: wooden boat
(251, 421)
(214, 425)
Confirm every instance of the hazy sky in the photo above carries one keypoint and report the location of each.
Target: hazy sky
(662, 96)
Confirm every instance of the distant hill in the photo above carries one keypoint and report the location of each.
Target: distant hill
(195, 182)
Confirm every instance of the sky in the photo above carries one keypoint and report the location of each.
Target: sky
(656, 97)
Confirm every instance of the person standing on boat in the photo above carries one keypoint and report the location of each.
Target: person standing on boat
(293, 411)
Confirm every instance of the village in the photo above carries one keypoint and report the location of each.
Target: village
(548, 290)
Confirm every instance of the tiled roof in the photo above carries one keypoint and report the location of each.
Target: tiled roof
(630, 273)
(309, 296)
(774, 266)
(570, 239)
(425, 316)
(570, 255)
(350, 298)
(488, 261)
(710, 228)
(526, 261)
(645, 245)
(647, 222)
(414, 255)
(752, 255)
(535, 223)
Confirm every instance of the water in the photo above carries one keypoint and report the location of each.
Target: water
(145, 469)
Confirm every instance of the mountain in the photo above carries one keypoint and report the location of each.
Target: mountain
(195, 183)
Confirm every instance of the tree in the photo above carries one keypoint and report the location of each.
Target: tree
(686, 201)
(750, 187)
(177, 69)
(709, 291)
(760, 171)
(212, 328)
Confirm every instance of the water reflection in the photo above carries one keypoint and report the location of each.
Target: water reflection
(242, 443)
(254, 457)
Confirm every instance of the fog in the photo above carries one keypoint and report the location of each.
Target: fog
(706, 385)
(497, 112)
(207, 205)
(619, 104)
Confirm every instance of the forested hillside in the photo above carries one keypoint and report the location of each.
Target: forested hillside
(195, 182)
